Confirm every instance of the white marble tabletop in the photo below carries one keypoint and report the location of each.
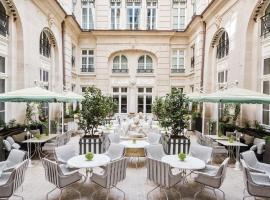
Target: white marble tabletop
(42, 139)
(216, 137)
(139, 144)
(81, 162)
(190, 162)
(227, 143)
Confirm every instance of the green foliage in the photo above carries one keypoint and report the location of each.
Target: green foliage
(172, 111)
(42, 116)
(29, 113)
(267, 139)
(231, 113)
(95, 108)
(258, 127)
(12, 123)
(211, 126)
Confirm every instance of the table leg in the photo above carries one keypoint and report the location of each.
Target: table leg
(237, 163)
(29, 154)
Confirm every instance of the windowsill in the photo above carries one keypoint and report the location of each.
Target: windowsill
(87, 74)
(145, 75)
(177, 74)
(219, 60)
(120, 75)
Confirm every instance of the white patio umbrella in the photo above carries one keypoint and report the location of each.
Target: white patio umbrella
(32, 94)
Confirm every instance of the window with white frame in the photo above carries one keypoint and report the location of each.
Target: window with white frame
(145, 64)
(178, 61)
(223, 45)
(144, 103)
(115, 14)
(88, 11)
(120, 64)
(73, 58)
(133, 15)
(151, 14)
(2, 87)
(181, 88)
(179, 15)
(222, 80)
(87, 61)
(192, 60)
(44, 80)
(266, 107)
(83, 89)
(120, 98)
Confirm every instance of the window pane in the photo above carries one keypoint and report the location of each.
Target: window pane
(140, 90)
(148, 99)
(148, 108)
(2, 64)
(123, 104)
(140, 99)
(124, 90)
(266, 67)
(266, 87)
(116, 100)
(115, 89)
(148, 90)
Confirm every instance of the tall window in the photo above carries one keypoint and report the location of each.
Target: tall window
(144, 100)
(222, 80)
(120, 97)
(133, 15)
(194, 7)
(223, 46)
(88, 11)
(179, 15)
(266, 107)
(115, 15)
(120, 64)
(145, 64)
(87, 61)
(73, 58)
(192, 60)
(3, 21)
(266, 90)
(178, 61)
(151, 14)
(44, 45)
(265, 23)
(44, 79)
(2, 87)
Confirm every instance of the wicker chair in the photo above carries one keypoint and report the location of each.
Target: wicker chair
(64, 153)
(212, 178)
(164, 180)
(114, 173)
(11, 181)
(14, 158)
(114, 138)
(115, 151)
(257, 184)
(155, 151)
(202, 152)
(153, 138)
(58, 176)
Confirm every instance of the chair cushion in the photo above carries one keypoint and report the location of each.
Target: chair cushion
(69, 179)
(99, 179)
(7, 190)
(10, 140)
(15, 146)
(7, 145)
(248, 139)
(19, 137)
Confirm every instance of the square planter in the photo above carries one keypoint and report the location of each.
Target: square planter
(93, 144)
(176, 145)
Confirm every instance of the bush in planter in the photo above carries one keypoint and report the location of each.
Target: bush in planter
(172, 111)
(95, 108)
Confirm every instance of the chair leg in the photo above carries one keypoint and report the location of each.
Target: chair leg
(121, 191)
(148, 193)
(61, 193)
(223, 193)
(15, 195)
(47, 195)
(179, 193)
(197, 193)
(94, 193)
(164, 191)
(107, 194)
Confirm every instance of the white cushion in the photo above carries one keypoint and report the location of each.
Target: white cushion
(7, 145)
(15, 146)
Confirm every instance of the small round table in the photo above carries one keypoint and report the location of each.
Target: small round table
(190, 162)
(81, 162)
(135, 150)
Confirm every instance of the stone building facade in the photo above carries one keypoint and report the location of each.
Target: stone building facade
(135, 50)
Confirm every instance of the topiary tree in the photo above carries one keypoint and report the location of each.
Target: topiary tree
(95, 108)
(172, 111)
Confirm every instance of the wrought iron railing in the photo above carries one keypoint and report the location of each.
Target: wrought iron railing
(265, 25)
(119, 70)
(87, 69)
(145, 70)
(182, 70)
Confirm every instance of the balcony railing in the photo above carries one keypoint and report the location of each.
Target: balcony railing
(3, 24)
(145, 70)
(182, 70)
(87, 69)
(119, 70)
(265, 25)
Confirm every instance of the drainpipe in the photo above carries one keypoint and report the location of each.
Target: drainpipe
(63, 53)
(203, 54)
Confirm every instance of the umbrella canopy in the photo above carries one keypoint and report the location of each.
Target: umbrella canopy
(33, 94)
(70, 97)
(236, 95)
(195, 96)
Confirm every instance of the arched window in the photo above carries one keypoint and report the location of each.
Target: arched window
(44, 45)
(145, 64)
(120, 62)
(223, 46)
(3, 21)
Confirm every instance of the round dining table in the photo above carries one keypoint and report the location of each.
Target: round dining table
(190, 163)
(81, 162)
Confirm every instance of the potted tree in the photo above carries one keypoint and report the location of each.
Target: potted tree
(266, 155)
(172, 111)
(95, 108)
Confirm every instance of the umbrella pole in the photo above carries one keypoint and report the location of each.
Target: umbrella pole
(62, 118)
(203, 117)
(49, 123)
